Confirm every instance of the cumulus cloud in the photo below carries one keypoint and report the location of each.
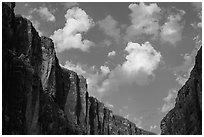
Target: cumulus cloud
(111, 54)
(141, 58)
(138, 68)
(110, 27)
(105, 70)
(45, 14)
(77, 23)
(169, 101)
(171, 31)
(145, 20)
(150, 19)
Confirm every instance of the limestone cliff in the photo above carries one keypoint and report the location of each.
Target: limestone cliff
(41, 97)
(186, 116)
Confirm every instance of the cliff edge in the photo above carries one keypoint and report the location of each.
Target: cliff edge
(41, 97)
(186, 117)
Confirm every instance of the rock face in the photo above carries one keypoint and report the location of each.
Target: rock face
(41, 97)
(186, 116)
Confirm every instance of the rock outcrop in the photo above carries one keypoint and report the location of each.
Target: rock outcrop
(41, 97)
(186, 116)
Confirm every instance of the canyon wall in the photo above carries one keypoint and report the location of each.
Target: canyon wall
(41, 97)
(186, 116)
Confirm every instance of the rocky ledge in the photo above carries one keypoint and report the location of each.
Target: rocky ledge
(41, 97)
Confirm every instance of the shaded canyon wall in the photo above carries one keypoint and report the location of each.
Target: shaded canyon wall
(41, 97)
(186, 116)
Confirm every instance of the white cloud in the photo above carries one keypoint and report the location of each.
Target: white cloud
(77, 23)
(141, 58)
(105, 70)
(145, 20)
(198, 24)
(45, 14)
(111, 54)
(169, 100)
(171, 31)
(140, 63)
(110, 27)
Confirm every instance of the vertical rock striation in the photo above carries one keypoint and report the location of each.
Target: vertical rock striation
(41, 97)
(186, 116)
(21, 66)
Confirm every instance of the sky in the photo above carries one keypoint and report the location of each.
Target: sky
(135, 56)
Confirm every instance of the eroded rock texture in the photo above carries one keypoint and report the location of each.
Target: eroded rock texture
(186, 116)
(41, 97)
(21, 66)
